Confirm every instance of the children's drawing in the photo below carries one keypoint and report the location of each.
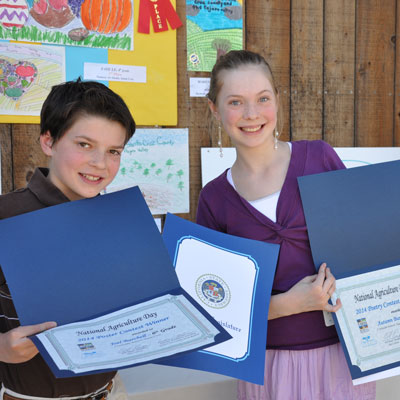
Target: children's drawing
(106, 16)
(213, 28)
(157, 160)
(91, 23)
(13, 13)
(27, 73)
(16, 79)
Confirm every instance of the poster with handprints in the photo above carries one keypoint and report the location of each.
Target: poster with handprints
(92, 23)
(27, 73)
(213, 27)
(157, 160)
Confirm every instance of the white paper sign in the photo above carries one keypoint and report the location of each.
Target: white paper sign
(199, 87)
(114, 72)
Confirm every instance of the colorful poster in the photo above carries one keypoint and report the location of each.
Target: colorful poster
(157, 160)
(27, 73)
(90, 23)
(213, 28)
(151, 103)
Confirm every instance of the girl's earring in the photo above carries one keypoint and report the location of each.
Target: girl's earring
(221, 154)
(276, 134)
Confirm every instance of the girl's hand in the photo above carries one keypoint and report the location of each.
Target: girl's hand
(16, 347)
(313, 292)
(310, 294)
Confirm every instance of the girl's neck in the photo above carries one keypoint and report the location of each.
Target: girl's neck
(257, 174)
(259, 159)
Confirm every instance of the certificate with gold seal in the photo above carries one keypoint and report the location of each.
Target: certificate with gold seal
(231, 278)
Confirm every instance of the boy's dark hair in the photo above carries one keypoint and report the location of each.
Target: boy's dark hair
(71, 100)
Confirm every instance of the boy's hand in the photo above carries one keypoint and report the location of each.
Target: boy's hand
(15, 347)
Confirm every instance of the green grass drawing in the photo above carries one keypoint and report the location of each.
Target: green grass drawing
(200, 44)
(134, 167)
(169, 163)
(32, 33)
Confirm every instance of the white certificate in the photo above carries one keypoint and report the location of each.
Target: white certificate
(157, 328)
(370, 317)
(210, 275)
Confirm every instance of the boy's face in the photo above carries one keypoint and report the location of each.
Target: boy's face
(86, 158)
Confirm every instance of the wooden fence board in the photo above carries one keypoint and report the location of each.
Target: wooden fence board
(268, 33)
(27, 154)
(306, 69)
(6, 158)
(375, 21)
(339, 50)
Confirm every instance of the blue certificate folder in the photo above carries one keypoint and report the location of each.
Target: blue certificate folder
(86, 258)
(236, 254)
(353, 222)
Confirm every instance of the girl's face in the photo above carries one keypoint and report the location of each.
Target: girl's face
(247, 106)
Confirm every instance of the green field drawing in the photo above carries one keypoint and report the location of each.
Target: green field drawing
(157, 160)
(201, 54)
(33, 34)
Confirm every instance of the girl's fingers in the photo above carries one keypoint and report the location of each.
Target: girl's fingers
(329, 285)
(321, 275)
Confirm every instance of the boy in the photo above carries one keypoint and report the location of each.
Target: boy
(83, 130)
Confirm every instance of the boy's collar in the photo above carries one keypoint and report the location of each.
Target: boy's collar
(44, 190)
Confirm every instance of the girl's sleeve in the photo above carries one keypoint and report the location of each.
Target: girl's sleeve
(331, 160)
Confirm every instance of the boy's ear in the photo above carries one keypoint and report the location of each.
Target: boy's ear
(213, 109)
(46, 142)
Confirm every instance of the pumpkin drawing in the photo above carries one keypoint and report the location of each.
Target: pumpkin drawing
(106, 16)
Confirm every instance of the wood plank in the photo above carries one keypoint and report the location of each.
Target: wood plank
(376, 22)
(7, 184)
(268, 33)
(339, 64)
(202, 131)
(307, 69)
(27, 154)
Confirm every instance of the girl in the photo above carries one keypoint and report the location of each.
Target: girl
(258, 198)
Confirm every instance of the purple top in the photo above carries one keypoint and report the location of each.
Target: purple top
(223, 209)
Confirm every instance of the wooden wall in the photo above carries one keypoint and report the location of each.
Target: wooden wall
(337, 64)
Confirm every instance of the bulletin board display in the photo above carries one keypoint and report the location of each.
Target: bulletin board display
(153, 101)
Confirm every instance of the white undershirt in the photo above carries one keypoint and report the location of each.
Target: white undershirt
(266, 205)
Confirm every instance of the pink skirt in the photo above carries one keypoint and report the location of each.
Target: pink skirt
(317, 374)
